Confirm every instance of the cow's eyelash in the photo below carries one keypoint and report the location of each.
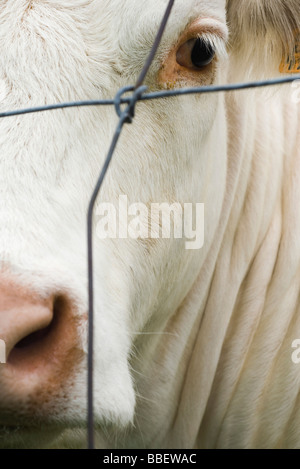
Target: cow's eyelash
(216, 42)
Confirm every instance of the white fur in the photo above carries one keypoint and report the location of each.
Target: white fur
(193, 349)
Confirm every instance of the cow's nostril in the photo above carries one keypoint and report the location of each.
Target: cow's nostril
(33, 338)
(37, 346)
(41, 337)
(48, 340)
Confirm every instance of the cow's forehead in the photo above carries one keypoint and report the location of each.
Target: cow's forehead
(183, 10)
(103, 24)
(131, 12)
(184, 6)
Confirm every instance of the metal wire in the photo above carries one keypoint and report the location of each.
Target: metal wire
(155, 46)
(126, 116)
(156, 95)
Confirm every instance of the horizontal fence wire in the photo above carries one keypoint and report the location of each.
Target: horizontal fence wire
(157, 95)
(126, 116)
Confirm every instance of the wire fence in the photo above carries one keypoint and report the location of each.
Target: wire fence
(126, 116)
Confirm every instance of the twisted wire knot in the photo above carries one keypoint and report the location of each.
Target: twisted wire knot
(129, 112)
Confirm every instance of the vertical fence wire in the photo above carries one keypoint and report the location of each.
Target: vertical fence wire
(125, 117)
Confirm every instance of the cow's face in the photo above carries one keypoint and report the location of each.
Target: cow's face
(53, 52)
(174, 152)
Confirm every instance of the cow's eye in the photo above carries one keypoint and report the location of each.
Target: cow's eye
(195, 54)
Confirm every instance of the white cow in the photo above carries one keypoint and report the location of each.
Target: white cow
(193, 347)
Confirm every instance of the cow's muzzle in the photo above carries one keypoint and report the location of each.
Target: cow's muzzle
(40, 334)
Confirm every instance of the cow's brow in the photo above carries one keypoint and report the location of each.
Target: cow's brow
(126, 116)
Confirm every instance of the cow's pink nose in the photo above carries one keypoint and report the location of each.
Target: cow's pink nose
(40, 334)
(25, 321)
